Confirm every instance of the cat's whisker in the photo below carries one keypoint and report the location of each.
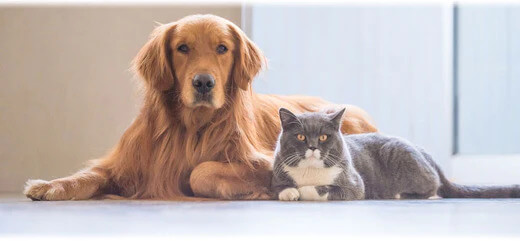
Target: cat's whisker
(290, 163)
(293, 158)
(289, 160)
(290, 156)
(328, 158)
(334, 158)
(330, 154)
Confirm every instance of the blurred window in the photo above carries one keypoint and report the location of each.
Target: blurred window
(487, 79)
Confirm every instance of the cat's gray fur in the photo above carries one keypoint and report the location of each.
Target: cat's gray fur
(363, 166)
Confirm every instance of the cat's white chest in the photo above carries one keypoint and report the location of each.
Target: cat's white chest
(313, 176)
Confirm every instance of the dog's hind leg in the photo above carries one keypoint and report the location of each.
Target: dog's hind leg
(232, 181)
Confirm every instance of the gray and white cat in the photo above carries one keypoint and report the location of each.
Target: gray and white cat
(315, 161)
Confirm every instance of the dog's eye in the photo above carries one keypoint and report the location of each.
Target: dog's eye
(222, 49)
(183, 48)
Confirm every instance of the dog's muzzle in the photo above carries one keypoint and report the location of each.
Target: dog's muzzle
(203, 83)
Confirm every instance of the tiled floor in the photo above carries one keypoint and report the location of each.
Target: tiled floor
(471, 217)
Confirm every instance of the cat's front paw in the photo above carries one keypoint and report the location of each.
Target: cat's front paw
(289, 194)
(310, 193)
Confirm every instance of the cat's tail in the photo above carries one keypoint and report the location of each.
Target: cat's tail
(452, 190)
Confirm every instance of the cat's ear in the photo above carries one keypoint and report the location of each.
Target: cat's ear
(337, 117)
(287, 118)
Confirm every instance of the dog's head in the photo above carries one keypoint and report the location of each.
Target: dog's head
(201, 55)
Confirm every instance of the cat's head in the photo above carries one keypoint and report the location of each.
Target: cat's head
(310, 139)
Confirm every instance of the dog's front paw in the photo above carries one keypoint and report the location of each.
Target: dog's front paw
(309, 193)
(44, 190)
(289, 194)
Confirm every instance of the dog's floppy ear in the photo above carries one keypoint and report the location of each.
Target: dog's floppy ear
(153, 62)
(249, 59)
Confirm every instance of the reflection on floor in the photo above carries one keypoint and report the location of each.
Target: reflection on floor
(496, 217)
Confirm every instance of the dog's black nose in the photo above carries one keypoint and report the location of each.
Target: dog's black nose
(203, 83)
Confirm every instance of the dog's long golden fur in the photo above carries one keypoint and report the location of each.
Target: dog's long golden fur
(179, 147)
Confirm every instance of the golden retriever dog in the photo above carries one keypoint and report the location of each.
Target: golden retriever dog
(202, 132)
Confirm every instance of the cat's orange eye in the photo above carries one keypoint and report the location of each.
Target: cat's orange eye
(300, 137)
(323, 138)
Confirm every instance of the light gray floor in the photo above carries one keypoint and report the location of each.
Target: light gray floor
(493, 217)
